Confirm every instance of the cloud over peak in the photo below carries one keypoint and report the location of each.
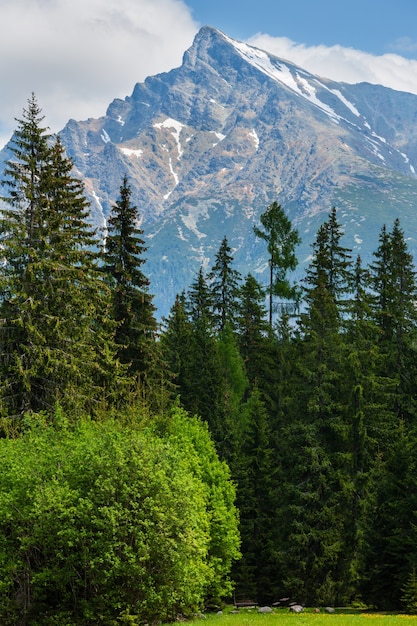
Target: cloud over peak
(344, 64)
(78, 56)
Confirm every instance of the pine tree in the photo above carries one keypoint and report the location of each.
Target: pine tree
(200, 301)
(132, 303)
(176, 343)
(318, 485)
(393, 279)
(282, 240)
(56, 341)
(204, 389)
(255, 573)
(224, 285)
(252, 326)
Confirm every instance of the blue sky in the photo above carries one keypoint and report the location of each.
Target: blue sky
(78, 55)
(375, 26)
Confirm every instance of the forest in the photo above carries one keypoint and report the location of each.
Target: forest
(260, 442)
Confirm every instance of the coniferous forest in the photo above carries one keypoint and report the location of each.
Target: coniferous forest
(261, 442)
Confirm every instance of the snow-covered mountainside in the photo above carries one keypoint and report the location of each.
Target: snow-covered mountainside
(209, 145)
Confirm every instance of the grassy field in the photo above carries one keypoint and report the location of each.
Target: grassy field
(283, 617)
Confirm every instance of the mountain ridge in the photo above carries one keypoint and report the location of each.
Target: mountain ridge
(210, 144)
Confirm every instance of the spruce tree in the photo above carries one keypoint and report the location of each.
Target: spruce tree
(224, 285)
(176, 344)
(319, 428)
(255, 573)
(204, 389)
(133, 310)
(56, 340)
(393, 280)
(200, 301)
(232, 392)
(252, 327)
(366, 413)
(331, 264)
(23, 180)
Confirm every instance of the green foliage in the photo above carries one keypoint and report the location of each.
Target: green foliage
(255, 478)
(224, 286)
(100, 521)
(193, 438)
(252, 326)
(56, 334)
(132, 304)
(133, 520)
(282, 240)
(409, 597)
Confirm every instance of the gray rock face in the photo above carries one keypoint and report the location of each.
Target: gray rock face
(209, 145)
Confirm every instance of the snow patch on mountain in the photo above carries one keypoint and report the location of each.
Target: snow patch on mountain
(219, 136)
(279, 71)
(131, 152)
(407, 160)
(346, 102)
(254, 135)
(176, 127)
(175, 177)
(105, 137)
(191, 219)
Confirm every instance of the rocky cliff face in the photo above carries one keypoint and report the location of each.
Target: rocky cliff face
(209, 145)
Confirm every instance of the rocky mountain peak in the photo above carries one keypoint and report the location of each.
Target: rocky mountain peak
(210, 144)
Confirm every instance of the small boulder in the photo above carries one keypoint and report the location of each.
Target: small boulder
(329, 609)
(264, 609)
(296, 608)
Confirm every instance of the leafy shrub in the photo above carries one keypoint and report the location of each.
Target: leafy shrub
(99, 521)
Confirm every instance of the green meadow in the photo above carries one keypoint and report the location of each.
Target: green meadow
(307, 618)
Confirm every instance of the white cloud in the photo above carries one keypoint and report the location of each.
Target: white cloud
(344, 64)
(78, 55)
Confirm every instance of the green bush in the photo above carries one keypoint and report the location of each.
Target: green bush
(98, 522)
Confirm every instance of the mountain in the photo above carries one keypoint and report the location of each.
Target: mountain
(209, 145)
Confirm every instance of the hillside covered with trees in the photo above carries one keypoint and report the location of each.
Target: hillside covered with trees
(262, 442)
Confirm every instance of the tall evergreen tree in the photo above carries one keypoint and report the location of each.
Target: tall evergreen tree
(392, 540)
(331, 265)
(132, 303)
(320, 430)
(176, 345)
(255, 573)
(204, 389)
(56, 340)
(224, 285)
(23, 173)
(393, 279)
(200, 301)
(234, 384)
(367, 416)
(282, 240)
(252, 326)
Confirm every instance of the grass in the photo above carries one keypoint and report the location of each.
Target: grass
(282, 617)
